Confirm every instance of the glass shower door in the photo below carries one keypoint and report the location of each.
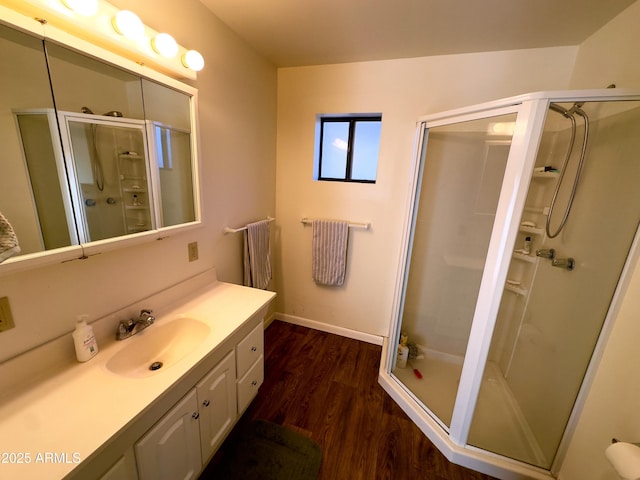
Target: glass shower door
(458, 190)
(550, 316)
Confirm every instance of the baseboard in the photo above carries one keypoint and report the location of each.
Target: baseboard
(325, 327)
(269, 320)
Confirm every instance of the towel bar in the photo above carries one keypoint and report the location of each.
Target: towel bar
(236, 230)
(363, 225)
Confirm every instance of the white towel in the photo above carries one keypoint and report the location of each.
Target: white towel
(257, 258)
(8, 240)
(329, 248)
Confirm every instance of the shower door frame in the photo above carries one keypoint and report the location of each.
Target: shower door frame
(69, 160)
(58, 156)
(531, 112)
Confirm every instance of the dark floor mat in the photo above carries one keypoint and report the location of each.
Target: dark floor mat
(267, 451)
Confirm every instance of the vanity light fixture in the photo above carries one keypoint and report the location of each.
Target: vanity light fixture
(105, 26)
(128, 24)
(165, 45)
(194, 60)
(86, 8)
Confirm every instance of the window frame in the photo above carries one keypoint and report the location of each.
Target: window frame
(352, 120)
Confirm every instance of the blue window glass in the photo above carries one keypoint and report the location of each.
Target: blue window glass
(348, 148)
(335, 145)
(366, 144)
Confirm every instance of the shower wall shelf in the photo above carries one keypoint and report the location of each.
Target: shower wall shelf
(517, 290)
(524, 258)
(134, 188)
(546, 175)
(538, 210)
(532, 230)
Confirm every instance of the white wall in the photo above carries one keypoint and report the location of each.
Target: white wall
(402, 90)
(237, 95)
(610, 55)
(611, 408)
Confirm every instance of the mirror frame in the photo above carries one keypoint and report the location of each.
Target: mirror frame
(52, 34)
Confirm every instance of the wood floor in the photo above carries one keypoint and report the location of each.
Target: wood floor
(325, 386)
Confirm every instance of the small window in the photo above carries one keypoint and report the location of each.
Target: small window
(347, 148)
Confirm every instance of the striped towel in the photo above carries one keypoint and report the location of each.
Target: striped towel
(257, 262)
(329, 260)
(8, 240)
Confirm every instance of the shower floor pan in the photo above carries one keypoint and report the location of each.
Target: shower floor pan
(498, 425)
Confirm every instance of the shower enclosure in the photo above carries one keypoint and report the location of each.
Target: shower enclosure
(522, 225)
(110, 168)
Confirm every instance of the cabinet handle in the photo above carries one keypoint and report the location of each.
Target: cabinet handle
(195, 415)
(206, 403)
(253, 349)
(254, 383)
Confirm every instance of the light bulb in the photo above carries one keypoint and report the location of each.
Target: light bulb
(165, 45)
(85, 8)
(128, 24)
(193, 60)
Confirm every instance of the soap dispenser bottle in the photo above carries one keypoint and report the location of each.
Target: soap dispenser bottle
(84, 340)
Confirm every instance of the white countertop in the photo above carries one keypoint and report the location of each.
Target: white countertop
(61, 420)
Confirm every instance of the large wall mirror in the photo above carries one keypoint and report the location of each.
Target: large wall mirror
(93, 154)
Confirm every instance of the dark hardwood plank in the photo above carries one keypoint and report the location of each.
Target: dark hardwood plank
(326, 387)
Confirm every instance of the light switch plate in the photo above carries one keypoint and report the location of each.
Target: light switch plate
(6, 319)
(193, 251)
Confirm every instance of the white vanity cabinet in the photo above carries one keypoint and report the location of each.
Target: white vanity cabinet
(139, 424)
(190, 433)
(171, 449)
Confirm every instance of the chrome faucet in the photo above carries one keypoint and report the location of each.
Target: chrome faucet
(128, 328)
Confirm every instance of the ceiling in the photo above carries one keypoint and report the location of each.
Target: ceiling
(307, 32)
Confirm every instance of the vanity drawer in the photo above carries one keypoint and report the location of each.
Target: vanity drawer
(249, 350)
(249, 384)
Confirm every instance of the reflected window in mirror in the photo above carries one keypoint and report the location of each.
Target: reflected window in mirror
(168, 113)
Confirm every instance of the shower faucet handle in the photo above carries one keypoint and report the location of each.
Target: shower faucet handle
(546, 253)
(566, 263)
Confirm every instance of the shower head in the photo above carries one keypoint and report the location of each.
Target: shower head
(86, 110)
(113, 113)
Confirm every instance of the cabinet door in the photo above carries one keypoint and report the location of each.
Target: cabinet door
(171, 449)
(123, 469)
(217, 405)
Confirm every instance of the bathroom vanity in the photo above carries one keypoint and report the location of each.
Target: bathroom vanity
(113, 417)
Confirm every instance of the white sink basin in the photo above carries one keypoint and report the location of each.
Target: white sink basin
(158, 347)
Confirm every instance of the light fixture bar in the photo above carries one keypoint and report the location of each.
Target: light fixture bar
(119, 31)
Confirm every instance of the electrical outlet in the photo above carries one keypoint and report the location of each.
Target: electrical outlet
(6, 319)
(193, 251)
